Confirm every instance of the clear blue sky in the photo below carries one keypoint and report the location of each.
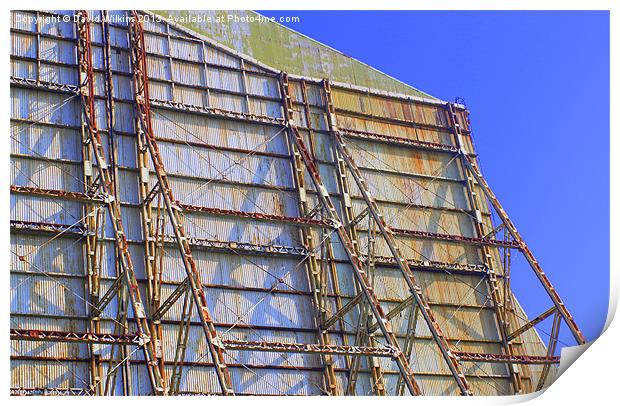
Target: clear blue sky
(537, 85)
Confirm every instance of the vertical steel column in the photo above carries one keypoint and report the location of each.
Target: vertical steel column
(300, 151)
(93, 223)
(122, 297)
(140, 82)
(487, 257)
(527, 253)
(348, 216)
(105, 182)
(553, 342)
(182, 337)
(318, 284)
(153, 221)
(451, 360)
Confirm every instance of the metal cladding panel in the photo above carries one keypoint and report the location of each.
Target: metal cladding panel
(217, 57)
(24, 69)
(188, 73)
(263, 86)
(186, 50)
(57, 50)
(202, 192)
(49, 350)
(228, 102)
(239, 230)
(45, 210)
(38, 173)
(60, 28)
(410, 217)
(58, 74)
(23, 45)
(239, 270)
(49, 374)
(47, 141)
(62, 256)
(225, 79)
(219, 133)
(429, 250)
(23, 20)
(181, 160)
(38, 294)
(44, 107)
(440, 136)
(394, 158)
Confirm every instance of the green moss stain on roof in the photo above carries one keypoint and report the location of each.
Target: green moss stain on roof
(282, 48)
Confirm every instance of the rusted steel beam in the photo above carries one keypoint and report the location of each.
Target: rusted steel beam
(308, 348)
(83, 197)
(35, 226)
(507, 359)
(316, 277)
(51, 392)
(472, 166)
(531, 323)
(75, 337)
(256, 216)
(499, 303)
(274, 249)
(455, 238)
(171, 300)
(215, 112)
(553, 342)
(234, 246)
(78, 196)
(147, 138)
(350, 220)
(239, 345)
(51, 86)
(405, 123)
(106, 183)
(343, 311)
(400, 141)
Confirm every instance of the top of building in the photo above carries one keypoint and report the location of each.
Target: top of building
(276, 45)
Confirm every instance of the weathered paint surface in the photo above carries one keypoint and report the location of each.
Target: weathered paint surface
(281, 47)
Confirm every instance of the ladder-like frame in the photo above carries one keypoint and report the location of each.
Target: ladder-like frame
(174, 211)
(105, 182)
(473, 169)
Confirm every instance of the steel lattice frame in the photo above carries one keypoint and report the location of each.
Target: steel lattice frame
(158, 206)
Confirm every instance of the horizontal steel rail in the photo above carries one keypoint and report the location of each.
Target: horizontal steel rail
(265, 346)
(507, 359)
(531, 324)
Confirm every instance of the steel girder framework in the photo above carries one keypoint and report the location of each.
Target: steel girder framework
(158, 205)
(105, 182)
(362, 334)
(301, 151)
(316, 277)
(146, 142)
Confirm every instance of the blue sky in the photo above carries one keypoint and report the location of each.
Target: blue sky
(537, 85)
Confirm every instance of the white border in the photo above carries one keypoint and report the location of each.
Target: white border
(591, 380)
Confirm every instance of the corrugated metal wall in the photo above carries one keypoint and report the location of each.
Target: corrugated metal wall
(238, 165)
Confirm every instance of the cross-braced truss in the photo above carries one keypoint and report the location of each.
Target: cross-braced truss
(355, 332)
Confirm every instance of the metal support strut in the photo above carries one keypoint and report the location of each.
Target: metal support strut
(87, 94)
(300, 150)
(527, 253)
(140, 81)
